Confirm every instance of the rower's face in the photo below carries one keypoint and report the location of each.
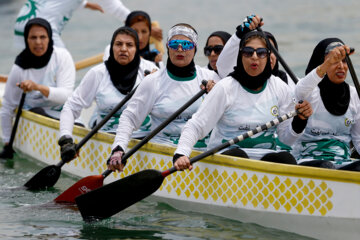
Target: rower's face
(213, 57)
(337, 72)
(124, 49)
(38, 40)
(180, 57)
(254, 65)
(143, 32)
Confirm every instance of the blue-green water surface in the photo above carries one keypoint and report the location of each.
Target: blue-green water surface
(33, 215)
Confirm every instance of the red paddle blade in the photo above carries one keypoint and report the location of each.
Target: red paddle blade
(82, 186)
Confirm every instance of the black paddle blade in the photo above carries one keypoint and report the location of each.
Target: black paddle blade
(47, 177)
(112, 198)
(7, 152)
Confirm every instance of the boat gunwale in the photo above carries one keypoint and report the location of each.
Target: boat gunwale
(217, 159)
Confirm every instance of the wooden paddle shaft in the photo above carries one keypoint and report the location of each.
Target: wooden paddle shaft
(3, 78)
(235, 140)
(87, 62)
(158, 44)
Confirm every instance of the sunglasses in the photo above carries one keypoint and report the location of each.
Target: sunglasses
(260, 52)
(186, 45)
(217, 50)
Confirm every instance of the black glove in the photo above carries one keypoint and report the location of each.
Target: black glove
(176, 156)
(7, 152)
(298, 124)
(118, 148)
(67, 148)
(242, 29)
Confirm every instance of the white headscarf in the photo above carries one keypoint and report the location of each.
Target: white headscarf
(183, 30)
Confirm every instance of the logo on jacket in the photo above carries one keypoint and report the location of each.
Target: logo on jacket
(274, 111)
(348, 122)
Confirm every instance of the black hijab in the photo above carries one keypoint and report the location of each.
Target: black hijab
(123, 76)
(241, 75)
(276, 71)
(130, 20)
(26, 59)
(224, 37)
(181, 72)
(336, 97)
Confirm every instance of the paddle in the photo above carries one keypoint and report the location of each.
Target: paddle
(3, 78)
(90, 183)
(48, 176)
(281, 60)
(354, 153)
(8, 149)
(87, 62)
(352, 72)
(110, 199)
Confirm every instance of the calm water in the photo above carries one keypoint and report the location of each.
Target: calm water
(297, 25)
(31, 215)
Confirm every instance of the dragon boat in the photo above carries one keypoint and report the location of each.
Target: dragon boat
(319, 203)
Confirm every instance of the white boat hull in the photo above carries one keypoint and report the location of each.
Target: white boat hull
(319, 203)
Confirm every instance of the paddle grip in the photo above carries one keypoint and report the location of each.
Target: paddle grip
(146, 72)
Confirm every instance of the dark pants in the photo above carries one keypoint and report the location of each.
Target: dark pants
(355, 166)
(280, 157)
(318, 163)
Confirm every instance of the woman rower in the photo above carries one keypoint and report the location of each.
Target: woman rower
(227, 58)
(163, 92)
(107, 84)
(336, 118)
(249, 97)
(213, 47)
(140, 21)
(45, 72)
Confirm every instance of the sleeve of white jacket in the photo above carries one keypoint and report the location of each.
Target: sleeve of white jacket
(82, 97)
(286, 104)
(139, 106)
(115, 8)
(65, 78)
(306, 85)
(204, 120)
(355, 129)
(106, 53)
(228, 57)
(10, 101)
